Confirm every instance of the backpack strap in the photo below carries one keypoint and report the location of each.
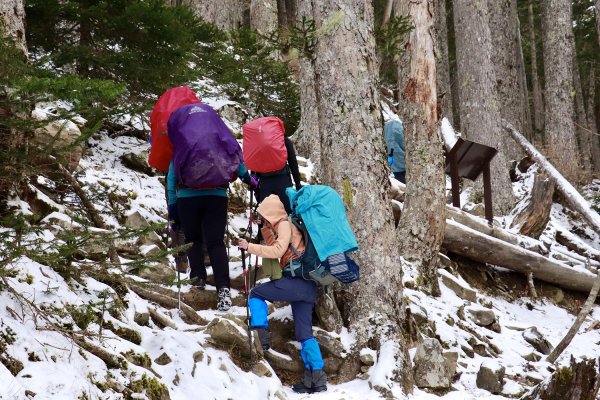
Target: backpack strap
(294, 250)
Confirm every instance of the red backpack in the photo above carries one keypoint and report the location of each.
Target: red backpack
(161, 149)
(264, 144)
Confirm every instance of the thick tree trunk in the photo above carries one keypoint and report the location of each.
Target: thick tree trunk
(558, 71)
(506, 58)
(593, 127)
(571, 195)
(479, 107)
(263, 16)
(12, 22)
(582, 129)
(225, 14)
(442, 66)
(426, 194)
(353, 162)
(536, 88)
(597, 6)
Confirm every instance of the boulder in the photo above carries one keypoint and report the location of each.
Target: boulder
(230, 334)
(431, 368)
(482, 316)
(137, 162)
(490, 376)
(57, 137)
(461, 288)
(539, 342)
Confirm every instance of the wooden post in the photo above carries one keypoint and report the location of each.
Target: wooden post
(454, 179)
(487, 193)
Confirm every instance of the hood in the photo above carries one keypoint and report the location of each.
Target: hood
(271, 209)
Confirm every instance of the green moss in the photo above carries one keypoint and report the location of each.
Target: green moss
(153, 389)
(141, 360)
(563, 376)
(347, 196)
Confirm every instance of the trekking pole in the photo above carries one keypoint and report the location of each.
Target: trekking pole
(246, 294)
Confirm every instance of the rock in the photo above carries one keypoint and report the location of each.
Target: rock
(462, 289)
(419, 313)
(482, 316)
(141, 318)
(532, 357)
(468, 350)
(136, 220)
(490, 376)
(330, 345)
(157, 273)
(233, 112)
(137, 162)
(198, 356)
(283, 362)
(261, 369)
(229, 333)
(451, 361)
(163, 359)
(367, 358)
(539, 342)
(431, 368)
(59, 134)
(150, 250)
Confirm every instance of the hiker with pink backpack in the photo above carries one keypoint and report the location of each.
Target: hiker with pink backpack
(206, 158)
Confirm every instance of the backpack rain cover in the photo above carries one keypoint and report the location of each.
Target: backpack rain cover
(264, 144)
(161, 149)
(205, 152)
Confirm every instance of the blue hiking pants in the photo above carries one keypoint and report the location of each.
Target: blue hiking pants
(301, 294)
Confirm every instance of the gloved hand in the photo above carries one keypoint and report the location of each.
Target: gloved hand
(254, 182)
(391, 160)
(174, 216)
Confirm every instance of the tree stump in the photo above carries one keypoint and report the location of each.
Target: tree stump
(579, 382)
(534, 213)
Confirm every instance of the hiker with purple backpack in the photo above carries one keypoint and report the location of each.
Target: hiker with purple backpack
(206, 157)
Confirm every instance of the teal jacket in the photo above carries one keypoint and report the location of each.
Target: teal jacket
(173, 192)
(324, 214)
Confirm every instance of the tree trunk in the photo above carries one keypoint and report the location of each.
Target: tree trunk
(263, 16)
(582, 129)
(353, 162)
(593, 133)
(479, 107)
(535, 213)
(506, 59)
(225, 14)
(12, 22)
(426, 194)
(536, 88)
(444, 89)
(597, 6)
(558, 71)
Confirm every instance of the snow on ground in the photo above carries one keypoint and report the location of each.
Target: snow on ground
(55, 368)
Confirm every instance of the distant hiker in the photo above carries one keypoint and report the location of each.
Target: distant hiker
(281, 235)
(206, 157)
(393, 132)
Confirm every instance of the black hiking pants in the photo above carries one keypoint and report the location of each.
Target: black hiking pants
(203, 220)
(275, 184)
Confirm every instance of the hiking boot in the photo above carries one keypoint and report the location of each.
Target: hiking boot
(264, 336)
(224, 299)
(312, 382)
(199, 283)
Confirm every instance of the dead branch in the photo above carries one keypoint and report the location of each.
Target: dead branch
(161, 318)
(585, 310)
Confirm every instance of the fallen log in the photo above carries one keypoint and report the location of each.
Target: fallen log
(477, 246)
(571, 242)
(571, 195)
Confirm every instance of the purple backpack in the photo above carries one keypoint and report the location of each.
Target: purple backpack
(205, 152)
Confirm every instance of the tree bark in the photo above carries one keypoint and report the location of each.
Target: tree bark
(12, 22)
(479, 107)
(536, 89)
(353, 162)
(571, 195)
(387, 12)
(444, 89)
(534, 215)
(506, 58)
(582, 128)
(593, 126)
(263, 16)
(597, 7)
(225, 14)
(426, 194)
(580, 382)
(558, 70)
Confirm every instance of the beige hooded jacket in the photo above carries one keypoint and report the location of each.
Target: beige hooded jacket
(284, 232)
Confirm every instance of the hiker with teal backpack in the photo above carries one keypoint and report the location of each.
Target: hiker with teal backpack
(206, 157)
(281, 235)
(393, 132)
